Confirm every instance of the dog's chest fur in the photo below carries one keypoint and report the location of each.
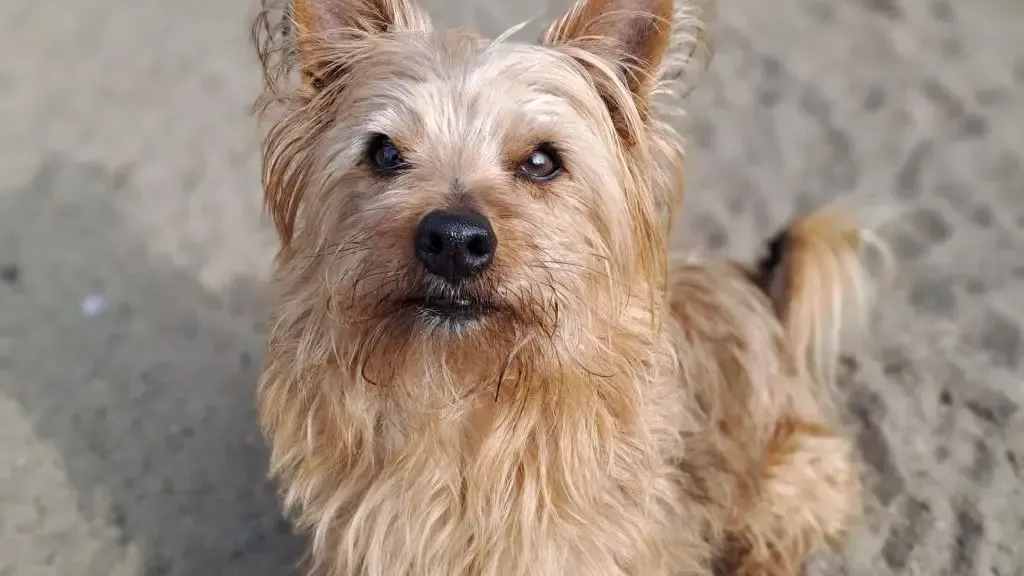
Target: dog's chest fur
(542, 486)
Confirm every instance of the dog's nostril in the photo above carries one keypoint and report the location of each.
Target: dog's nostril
(455, 245)
(434, 244)
(478, 246)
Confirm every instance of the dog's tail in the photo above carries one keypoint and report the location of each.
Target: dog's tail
(823, 273)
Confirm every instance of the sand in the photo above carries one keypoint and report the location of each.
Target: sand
(133, 261)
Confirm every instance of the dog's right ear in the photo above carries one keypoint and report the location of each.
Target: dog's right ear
(623, 43)
(324, 26)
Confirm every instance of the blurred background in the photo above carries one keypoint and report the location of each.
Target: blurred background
(133, 257)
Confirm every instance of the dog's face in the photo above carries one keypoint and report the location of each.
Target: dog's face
(439, 188)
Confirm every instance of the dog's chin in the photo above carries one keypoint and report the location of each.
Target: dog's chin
(450, 313)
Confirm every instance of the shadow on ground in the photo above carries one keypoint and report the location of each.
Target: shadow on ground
(149, 401)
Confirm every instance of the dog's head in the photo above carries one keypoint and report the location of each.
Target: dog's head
(436, 187)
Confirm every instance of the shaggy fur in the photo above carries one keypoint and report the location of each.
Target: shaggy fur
(615, 412)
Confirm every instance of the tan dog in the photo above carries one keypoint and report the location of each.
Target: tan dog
(482, 361)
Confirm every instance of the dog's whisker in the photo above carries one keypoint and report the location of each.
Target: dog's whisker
(561, 265)
(369, 274)
(340, 249)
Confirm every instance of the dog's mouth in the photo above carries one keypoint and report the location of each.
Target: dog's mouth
(448, 307)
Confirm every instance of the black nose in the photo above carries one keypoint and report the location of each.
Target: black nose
(455, 245)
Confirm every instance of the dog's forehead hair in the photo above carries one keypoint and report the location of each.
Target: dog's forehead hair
(480, 101)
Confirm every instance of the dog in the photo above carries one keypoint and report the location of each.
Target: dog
(483, 359)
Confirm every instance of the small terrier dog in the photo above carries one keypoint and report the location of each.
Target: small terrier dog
(483, 360)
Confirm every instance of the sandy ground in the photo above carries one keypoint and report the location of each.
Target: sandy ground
(133, 258)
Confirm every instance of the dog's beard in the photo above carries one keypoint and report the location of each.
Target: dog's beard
(459, 309)
(400, 326)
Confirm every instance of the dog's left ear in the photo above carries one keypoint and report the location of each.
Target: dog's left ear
(623, 43)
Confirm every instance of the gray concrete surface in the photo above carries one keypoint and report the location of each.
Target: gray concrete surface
(128, 182)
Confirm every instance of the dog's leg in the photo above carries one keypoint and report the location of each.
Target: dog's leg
(809, 498)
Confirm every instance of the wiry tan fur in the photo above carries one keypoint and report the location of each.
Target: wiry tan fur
(616, 413)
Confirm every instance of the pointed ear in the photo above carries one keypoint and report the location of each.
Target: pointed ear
(629, 39)
(319, 23)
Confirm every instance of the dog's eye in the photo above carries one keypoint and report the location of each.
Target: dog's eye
(542, 164)
(384, 156)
